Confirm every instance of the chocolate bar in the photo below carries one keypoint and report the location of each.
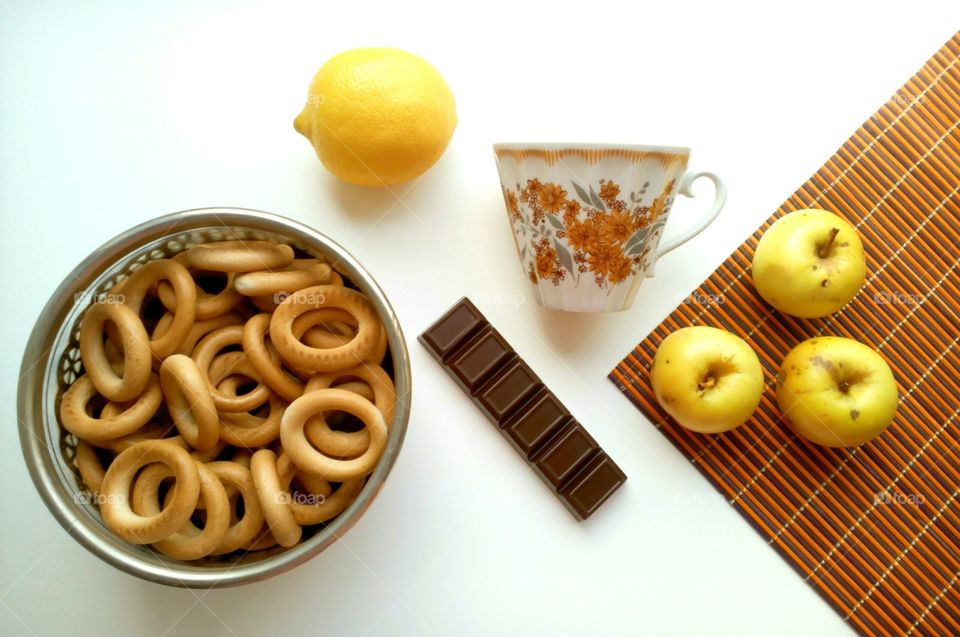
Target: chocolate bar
(525, 411)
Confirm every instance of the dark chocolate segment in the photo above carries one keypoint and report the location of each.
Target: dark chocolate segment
(452, 328)
(591, 487)
(529, 415)
(508, 389)
(534, 425)
(480, 357)
(567, 452)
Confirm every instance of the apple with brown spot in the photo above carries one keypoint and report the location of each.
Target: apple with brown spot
(836, 391)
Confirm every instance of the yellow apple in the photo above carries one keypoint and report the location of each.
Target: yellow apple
(707, 379)
(836, 392)
(809, 263)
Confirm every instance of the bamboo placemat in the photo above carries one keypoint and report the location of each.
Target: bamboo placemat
(875, 529)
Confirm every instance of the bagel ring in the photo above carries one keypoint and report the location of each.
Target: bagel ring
(296, 445)
(150, 431)
(328, 505)
(229, 372)
(357, 387)
(115, 490)
(273, 500)
(314, 484)
(122, 444)
(190, 404)
(263, 540)
(245, 530)
(240, 256)
(154, 431)
(137, 356)
(302, 356)
(250, 431)
(244, 429)
(208, 305)
(76, 420)
(270, 369)
(266, 303)
(302, 273)
(204, 353)
(187, 542)
(241, 457)
(89, 465)
(199, 329)
(324, 328)
(207, 455)
(350, 443)
(135, 288)
(315, 329)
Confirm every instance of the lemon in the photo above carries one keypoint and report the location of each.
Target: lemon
(378, 116)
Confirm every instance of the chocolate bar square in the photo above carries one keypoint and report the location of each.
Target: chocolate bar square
(587, 490)
(565, 453)
(508, 389)
(485, 353)
(534, 425)
(452, 328)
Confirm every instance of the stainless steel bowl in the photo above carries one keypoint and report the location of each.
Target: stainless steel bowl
(52, 361)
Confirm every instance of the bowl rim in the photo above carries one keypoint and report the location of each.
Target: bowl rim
(32, 394)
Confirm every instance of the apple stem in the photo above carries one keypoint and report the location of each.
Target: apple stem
(708, 382)
(824, 252)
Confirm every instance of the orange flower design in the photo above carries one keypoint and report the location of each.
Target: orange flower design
(609, 192)
(552, 197)
(578, 235)
(545, 261)
(570, 211)
(603, 257)
(616, 226)
(642, 217)
(660, 203)
(620, 269)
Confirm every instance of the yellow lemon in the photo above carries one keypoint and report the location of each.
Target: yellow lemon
(378, 116)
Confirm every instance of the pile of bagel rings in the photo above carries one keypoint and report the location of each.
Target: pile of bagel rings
(215, 419)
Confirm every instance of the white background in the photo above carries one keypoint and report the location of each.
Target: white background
(112, 113)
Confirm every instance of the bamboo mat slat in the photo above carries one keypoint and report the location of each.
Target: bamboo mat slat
(875, 530)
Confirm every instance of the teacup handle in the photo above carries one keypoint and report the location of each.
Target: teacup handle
(720, 198)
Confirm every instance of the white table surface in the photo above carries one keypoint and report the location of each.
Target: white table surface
(111, 115)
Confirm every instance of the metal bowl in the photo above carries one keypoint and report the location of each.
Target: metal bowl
(51, 363)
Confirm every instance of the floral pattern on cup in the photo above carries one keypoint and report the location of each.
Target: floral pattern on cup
(594, 236)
